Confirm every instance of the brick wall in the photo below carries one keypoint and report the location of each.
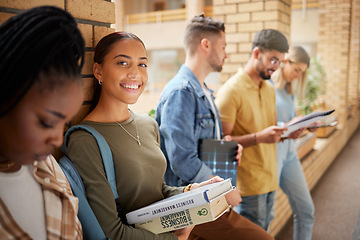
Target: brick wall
(243, 18)
(94, 18)
(338, 48)
(354, 58)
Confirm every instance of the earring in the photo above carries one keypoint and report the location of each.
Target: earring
(100, 83)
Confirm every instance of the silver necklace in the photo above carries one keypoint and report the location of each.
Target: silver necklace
(137, 138)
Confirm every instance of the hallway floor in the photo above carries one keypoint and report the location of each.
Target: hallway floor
(337, 198)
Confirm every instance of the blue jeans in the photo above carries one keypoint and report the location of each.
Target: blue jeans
(292, 182)
(257, 208)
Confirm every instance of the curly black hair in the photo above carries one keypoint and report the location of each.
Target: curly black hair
(270, 39)
(43, 40)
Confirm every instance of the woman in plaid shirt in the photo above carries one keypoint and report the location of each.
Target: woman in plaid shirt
(42, 54)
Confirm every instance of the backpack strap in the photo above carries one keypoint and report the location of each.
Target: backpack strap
(90, 225)
(105, 153)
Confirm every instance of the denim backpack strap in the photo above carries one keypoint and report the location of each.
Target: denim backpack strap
(90, 225)
(105, 153)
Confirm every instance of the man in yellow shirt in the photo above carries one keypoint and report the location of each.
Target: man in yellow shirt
(248, 113)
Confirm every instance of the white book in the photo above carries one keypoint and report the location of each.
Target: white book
(193, 216)
(180, 202)
(306, 121)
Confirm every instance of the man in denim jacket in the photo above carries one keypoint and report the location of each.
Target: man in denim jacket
(186, 113)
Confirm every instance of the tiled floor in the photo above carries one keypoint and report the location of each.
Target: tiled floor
(337, 198)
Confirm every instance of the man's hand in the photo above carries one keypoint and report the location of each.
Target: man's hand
(228, 138)
(271, 134)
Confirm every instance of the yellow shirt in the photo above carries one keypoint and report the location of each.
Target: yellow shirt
(251, 109)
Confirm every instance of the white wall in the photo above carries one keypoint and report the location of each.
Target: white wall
(167, 35)
(305, 29)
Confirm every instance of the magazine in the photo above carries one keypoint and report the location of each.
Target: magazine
(306, 121)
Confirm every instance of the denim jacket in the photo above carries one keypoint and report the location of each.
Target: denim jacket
(184, 115)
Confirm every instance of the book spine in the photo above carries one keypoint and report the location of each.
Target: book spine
(173, 206)
(178, 220)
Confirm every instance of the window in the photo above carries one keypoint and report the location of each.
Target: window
(159, 6)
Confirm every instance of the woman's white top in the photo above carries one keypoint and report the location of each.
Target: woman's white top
(23, 197)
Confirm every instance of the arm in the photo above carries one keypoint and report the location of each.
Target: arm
(177, 124)
(169, 191)
(271, 134)
(229, 104)
(84, 153)
(233, 198)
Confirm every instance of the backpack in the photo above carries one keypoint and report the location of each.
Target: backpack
(90, 225)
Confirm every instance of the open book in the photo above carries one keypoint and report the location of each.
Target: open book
(203, 197)
(306, 121)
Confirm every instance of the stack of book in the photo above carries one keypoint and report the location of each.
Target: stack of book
(194, 207)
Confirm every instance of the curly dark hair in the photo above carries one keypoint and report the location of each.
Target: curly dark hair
(270, 39)
(43, 40)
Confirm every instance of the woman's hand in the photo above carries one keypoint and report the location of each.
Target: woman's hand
(183, 234)
(228, 138)
(296, 134)
(210, 181)
(295, 119)
(313, 127)
(233, 198)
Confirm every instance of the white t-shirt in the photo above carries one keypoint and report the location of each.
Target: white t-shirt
(217, 127)
(23, 196)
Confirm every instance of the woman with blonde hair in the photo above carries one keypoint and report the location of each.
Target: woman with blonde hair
(290, 76)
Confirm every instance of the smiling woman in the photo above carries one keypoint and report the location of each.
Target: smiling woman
(121, 69)
(42, 54)
(112, 64)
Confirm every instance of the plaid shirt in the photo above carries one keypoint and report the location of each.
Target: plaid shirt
(61, 206)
